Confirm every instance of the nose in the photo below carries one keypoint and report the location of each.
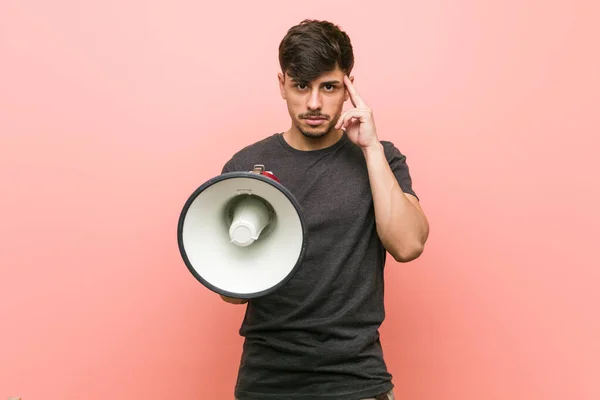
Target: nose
(314, 100)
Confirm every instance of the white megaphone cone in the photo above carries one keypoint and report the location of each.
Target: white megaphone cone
(242, 234)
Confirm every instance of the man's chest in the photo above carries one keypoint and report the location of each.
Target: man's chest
(331, 195)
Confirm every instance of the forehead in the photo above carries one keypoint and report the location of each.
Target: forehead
(330, 76)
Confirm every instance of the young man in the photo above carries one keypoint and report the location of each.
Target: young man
(317, 337)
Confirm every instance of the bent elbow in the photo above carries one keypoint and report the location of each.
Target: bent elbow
(408, 253)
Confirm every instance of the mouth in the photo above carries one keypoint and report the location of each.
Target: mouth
(315, 121)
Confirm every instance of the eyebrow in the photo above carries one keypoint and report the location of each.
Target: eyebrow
(332, 82)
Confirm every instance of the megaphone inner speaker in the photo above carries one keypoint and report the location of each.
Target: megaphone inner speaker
(242, 235)
(250, 218)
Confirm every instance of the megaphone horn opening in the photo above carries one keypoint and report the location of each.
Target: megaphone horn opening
(249, 218)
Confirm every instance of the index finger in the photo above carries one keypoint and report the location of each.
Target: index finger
(354, 96)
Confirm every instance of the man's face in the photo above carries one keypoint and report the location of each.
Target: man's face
(315, 106)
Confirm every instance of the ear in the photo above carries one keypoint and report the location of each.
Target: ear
(281, 79)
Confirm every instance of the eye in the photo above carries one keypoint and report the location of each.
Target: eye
(329, 87)
(301, 86)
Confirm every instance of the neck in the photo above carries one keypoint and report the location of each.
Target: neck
(297, 140)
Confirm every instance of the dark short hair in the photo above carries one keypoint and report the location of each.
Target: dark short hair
(314, 47)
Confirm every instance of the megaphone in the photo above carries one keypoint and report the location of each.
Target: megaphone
(242, 234)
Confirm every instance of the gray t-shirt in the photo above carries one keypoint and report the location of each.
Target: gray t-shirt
(316, 337)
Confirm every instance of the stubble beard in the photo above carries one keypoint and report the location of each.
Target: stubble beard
(316, 134)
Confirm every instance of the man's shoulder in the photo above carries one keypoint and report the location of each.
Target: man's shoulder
(266, 143)
(391, 151)
(256, 150)
(389, 145)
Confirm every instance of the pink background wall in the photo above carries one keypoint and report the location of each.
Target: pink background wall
(113, 112)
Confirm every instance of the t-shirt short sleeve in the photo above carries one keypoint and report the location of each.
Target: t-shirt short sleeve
(399, 167)
(229, 166)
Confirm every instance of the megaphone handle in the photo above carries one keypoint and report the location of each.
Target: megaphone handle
(260, 169)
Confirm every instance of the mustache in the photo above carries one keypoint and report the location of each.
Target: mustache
(314, 115)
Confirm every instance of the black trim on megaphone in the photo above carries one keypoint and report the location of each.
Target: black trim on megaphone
(251, 175)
